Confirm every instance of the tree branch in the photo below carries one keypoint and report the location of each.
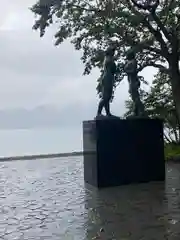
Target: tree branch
(147, 24)
(178, 133)
(156, 65)
(166, 9)
(162, 27)
(148, 45)
(133, 9)
(166, 138)
(175, 134)
(49, 3)
(152, 9)
(154, 49)
(158, 37)
(147, 6)
(86, 9)
(168, 135)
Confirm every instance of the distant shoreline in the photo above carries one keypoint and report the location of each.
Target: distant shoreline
(40, 156)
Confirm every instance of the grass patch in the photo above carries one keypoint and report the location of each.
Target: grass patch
(171, 151)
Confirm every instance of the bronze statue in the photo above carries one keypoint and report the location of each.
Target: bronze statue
(134, 83)
(107, 82)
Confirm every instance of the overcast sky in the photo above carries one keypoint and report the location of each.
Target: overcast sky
(34, 72)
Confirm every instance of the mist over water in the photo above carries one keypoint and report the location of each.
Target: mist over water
(40, 141)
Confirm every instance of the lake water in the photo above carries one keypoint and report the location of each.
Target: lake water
(37, 141)
(48, 200)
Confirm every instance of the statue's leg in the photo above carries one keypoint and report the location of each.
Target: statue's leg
(136, 110)
(107, 108)
(101, 103)
(142, 109)
(133, 97)
(100, 107)
(136, 100)
(139, 106)
(107, 98)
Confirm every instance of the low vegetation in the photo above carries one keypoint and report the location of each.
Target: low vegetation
(172, 152)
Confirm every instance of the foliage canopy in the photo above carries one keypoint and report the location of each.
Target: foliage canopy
(93, 25)
(151, 27)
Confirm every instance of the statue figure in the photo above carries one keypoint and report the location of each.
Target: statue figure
(107, 81)
(134, 84)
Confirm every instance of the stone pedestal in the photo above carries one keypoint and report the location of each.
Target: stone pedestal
(118, 152)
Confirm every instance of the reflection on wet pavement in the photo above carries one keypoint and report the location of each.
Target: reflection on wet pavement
(47, 199)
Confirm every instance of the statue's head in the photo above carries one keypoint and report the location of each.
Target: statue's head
(110, 51)
(130, 55)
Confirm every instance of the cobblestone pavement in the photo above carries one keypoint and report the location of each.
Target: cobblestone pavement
(47, 199)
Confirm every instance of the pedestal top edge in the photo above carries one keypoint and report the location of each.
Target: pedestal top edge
(123, 120)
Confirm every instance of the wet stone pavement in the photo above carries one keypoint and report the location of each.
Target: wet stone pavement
(47, 199)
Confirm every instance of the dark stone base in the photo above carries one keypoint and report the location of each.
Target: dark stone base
(118, 152)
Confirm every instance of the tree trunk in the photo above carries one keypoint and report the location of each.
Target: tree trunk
(179, 135)
(175, 81)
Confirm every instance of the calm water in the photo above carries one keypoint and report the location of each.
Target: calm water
(47, 199)
(37, 141)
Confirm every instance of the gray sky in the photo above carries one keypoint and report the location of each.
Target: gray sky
(41, 84)
(34, 72)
